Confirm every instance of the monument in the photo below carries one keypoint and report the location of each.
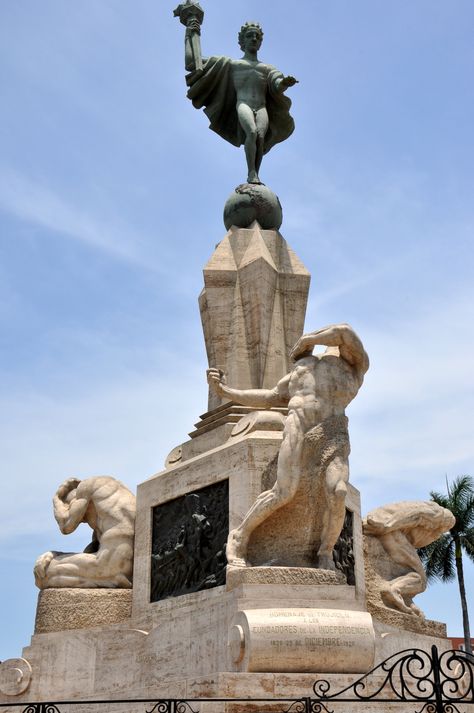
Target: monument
(244, 568)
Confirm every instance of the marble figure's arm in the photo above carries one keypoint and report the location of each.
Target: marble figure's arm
(69, 515)
(402, 520)
(337, 335)
(258, 398)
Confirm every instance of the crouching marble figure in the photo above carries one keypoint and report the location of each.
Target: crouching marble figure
(316, 391)
(393, 535)
(108, 507)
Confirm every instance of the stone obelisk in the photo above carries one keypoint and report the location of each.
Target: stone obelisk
(252, 307)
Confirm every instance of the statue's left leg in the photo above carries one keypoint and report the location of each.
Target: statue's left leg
(399, 592)
(336, 478)
(261, 121)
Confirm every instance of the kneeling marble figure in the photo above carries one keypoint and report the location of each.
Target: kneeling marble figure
(400, 529)
(108, 507)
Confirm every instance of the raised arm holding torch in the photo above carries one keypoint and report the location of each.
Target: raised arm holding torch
(191, 15)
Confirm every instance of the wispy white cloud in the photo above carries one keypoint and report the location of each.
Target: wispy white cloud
(35, 203)
(358, 281)
(431, 349)
(123, 428)
(413, 419)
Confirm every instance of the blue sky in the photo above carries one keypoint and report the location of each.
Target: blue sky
(111, 197)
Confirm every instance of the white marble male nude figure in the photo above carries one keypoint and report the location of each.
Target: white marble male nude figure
(108, 507)
(317, 391)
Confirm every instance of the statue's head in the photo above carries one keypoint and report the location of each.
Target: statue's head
(248, 32)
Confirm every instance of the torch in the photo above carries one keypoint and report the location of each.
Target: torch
(188, 11)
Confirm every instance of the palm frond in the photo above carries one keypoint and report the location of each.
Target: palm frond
(467, 542)
(439, 498)
(439, 559)
(460, 499)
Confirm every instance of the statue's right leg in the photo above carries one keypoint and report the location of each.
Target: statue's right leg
(81, 570)
(399, 592)
(238, 539)
(288, 472)
(247, 121)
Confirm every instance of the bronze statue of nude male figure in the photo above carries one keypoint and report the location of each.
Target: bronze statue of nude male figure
(243, 98)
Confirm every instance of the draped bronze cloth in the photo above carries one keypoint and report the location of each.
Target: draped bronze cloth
(213, 89)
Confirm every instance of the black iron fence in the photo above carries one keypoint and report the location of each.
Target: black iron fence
(418, 681)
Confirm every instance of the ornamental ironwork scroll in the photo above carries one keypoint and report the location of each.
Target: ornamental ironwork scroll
(188, 542)
(434, 683)
(172, 706)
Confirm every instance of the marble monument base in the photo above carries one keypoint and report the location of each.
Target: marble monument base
(63, 609)
(263, 632)
(254, 640)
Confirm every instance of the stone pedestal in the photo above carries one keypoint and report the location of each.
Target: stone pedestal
(246, 462)
(179, 654)
(295, 622)
(62, 609)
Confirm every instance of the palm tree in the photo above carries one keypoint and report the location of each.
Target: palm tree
(443, 558)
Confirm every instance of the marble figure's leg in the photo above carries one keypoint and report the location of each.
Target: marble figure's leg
(399, 592)
(82, 570)
(336, 478)
(288, 470)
